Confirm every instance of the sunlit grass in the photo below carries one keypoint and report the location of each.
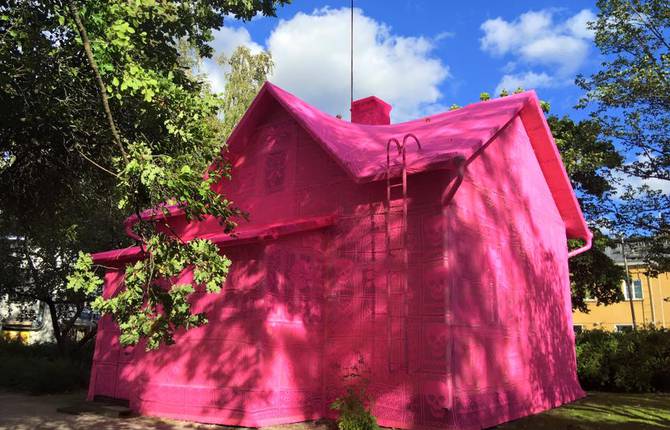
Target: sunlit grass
(603, 411)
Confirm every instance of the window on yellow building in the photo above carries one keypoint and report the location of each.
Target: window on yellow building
(622, 328)
(636, 287)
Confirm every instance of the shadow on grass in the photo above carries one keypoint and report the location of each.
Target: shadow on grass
(603, 411)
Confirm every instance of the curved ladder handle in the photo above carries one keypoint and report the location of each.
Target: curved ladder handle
(416, 139)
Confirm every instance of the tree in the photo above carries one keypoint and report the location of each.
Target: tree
(590, 161)
(630, 97)
(102, 118)
(248, 72)
(54, 201)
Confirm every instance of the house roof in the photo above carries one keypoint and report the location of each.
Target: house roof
(445, 138)
(360, 149)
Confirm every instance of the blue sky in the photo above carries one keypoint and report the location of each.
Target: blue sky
(422, 56)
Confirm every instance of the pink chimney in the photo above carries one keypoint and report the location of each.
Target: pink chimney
(371, 110)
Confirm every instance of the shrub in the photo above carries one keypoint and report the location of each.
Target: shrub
(353, 406)
(636, 361)
(354, 414)
(42, 369)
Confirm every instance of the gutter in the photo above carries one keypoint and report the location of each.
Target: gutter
(586, 247)
(150, 214)
(241, 237)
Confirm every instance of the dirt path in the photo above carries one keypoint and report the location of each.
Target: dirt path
(24, 412)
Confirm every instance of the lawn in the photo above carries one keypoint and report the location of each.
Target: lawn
(599, 411)
(603, 411)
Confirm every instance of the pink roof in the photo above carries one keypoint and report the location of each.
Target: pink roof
(445, 138)
(361, 149)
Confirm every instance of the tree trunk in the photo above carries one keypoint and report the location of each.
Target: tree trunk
(56, 325)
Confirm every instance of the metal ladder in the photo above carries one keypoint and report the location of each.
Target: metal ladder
(402, 247)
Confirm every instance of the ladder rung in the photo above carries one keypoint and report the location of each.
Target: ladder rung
(395, 185)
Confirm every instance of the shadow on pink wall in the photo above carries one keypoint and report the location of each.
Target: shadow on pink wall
(474, 331)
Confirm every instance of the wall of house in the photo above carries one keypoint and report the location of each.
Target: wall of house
(471, 331)
(512, 347)
(651, 308)
(259, 360)
(385, 317)
(301, 313)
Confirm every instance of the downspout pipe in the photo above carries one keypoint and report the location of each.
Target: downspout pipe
(586, 247)
(161, 212)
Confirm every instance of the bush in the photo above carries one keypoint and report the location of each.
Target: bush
(354, 415)
(353, 406)
(42, 369)
(636, 361)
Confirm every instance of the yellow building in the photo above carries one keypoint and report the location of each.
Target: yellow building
(651, 301)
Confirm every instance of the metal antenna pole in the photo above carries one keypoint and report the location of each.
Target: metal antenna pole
(628, 286)
(351, 56)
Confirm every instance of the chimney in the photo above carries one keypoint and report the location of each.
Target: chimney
(371, 110)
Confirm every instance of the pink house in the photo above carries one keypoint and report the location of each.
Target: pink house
(451, 285)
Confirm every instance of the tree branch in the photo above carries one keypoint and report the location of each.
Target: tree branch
(70, 323)
(96, 164)
(88, 336)
(650, 26)
(74, 11)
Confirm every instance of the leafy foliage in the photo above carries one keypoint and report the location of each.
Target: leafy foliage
(588, 158)
(593, 275)
(103, 116)
(247, 74)
(590, 161)
(354, 415)
(635, 361)
(353, 407)
(50, 124)
(149, 308)
(630, 97)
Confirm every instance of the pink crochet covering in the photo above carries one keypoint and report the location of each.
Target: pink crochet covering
(473, 331)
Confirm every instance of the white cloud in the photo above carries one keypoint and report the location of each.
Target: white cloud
(311, 54)
(226, 40)
(565, 52)
(657, 184)
(578, 24)
(653, 183)
(536, 40)
(443, 35)
(528, 80)
(501, 37)
(623, 181)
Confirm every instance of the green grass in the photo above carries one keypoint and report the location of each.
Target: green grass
(603, 411)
